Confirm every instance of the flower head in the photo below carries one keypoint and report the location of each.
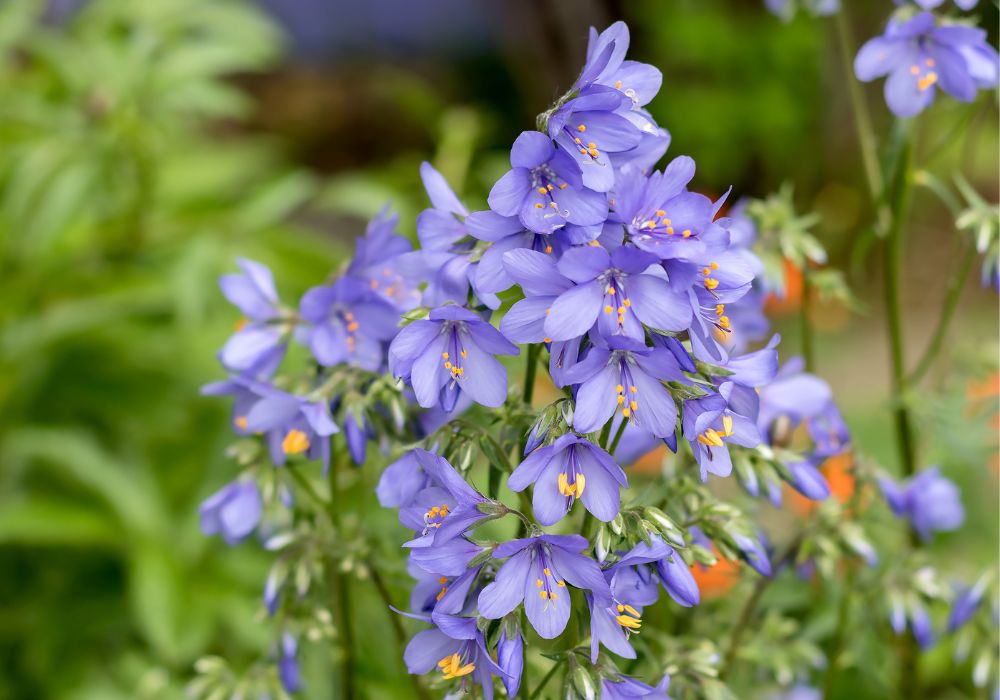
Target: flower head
(452, 352)
(571, 468)
(537, 573)
(233, 511)
(710, 425)
(922, 54)
(457, 651)
(261, 337)
(929, 501)
(626, 688)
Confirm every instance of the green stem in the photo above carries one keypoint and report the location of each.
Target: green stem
(529, 372)
(306, 485)
(892, 260)
(948, 308)
(542, 683)
(840, 633)
(808, 346)
(859, 107)
(618, 437)
(340, 584)
(397, 626)
(747, 614)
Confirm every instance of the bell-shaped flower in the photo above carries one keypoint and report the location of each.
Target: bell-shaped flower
(619, 292)
(375, 261)
(710, 424)
(922, 54)
(449, 353)
(457, 651)
(450, 506)
(544, 189)
(292, 425)
(589, 129)
(261, 338)
(623, 687)
(233, 511)
(931, 502)
(349, 324)
(571, 468)
(537, 573)
(626, 377)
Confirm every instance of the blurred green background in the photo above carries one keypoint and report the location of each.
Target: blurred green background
(145, 145)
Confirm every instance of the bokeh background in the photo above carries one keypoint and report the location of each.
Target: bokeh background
(145, 145)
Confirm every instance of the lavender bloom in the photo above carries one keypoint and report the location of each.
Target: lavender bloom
(444, 576)
(542, 283)
(451, 353)
(670, 570)
(570, 468)
(537, 573)
(931, 4)
(455, 504)
(920, 55)
(710, 425)
(588, 129)
(357, 435)
(544, 189)
(929, 501)
(375, 262)
(626, 376)
(967, 601)
(401, 481)
(457, 651)
(292, 425)
(233, 511)
(349, 324)
(606, 65)
(625, 688)
(288, 664)
(919, 622)
(615, 291)
(259, 343)
(510, 658)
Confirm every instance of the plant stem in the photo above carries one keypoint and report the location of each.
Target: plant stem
(618, 437)
(892, 260)
(529, 372)
(397, 625)
(306, 485)
(545, 679)
(953, 294)
(749, 609)
(840, 633)
(340, 584)
(859, 107)
(808, 346)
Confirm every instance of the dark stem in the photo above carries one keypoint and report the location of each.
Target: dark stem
(808, 346)
(893, 260)
(618, 437)
(545, 679)
(339, 580)
(840, 633)
(397, 626)
(529, 372)
(948, 308)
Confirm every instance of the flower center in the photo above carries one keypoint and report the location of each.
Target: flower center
(616, 302)
(572, 481)
(587, 147)
(926, 77)
(454, 358)
(659, 223)
(351, 327)
(433, 517)
(629, 618)
(444, 587)
(241, 422)
(451, 667)
(295, 442)
(546, 185)
(713, 437)
(710, 282)
(547, 585)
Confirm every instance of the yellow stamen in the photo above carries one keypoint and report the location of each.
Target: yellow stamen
(581, 128)
(241, 422)
(295, 442)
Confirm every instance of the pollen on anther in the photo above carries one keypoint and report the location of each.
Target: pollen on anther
(581, 128)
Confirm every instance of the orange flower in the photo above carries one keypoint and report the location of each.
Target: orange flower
(716, 581)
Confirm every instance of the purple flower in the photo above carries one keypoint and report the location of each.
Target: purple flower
(458, 652)
(619, 292)
(931, 4)
(446, 509)
(510, 658)
(233, 511)
(292, 425)
(259, 343)
(625, 688)
(542, 283)
(357, 432)
(444, 576)
(588, 129)
(669, 569)
(919, 621)
(401, 481)
(570, 468)
(710, 425)
(929, 501)
(920, 55)
(450, 353)
(626, 377)
(537, 573)
(444, 261)
(606, 65)
(967, 601)
(349, 324)
(543, 188)
(288, 664)
(375, 262)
